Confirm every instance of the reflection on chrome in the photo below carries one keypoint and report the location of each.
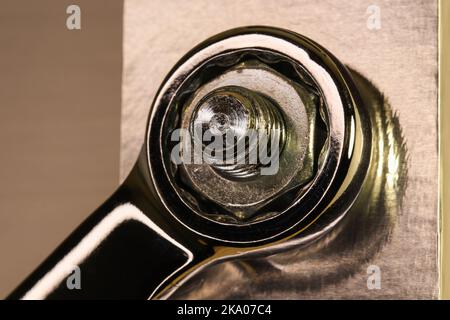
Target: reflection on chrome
(90, 243)
(308, 271)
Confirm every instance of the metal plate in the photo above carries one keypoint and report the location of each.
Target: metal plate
(400, 59)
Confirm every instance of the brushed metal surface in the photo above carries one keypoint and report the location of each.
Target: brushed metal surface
(400, 59)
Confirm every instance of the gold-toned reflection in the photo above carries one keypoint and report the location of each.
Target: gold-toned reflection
(315, 270)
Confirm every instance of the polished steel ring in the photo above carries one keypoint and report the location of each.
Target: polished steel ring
(341, 168)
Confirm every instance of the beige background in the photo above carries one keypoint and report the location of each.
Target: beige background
(59, 124)
(400, 59)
